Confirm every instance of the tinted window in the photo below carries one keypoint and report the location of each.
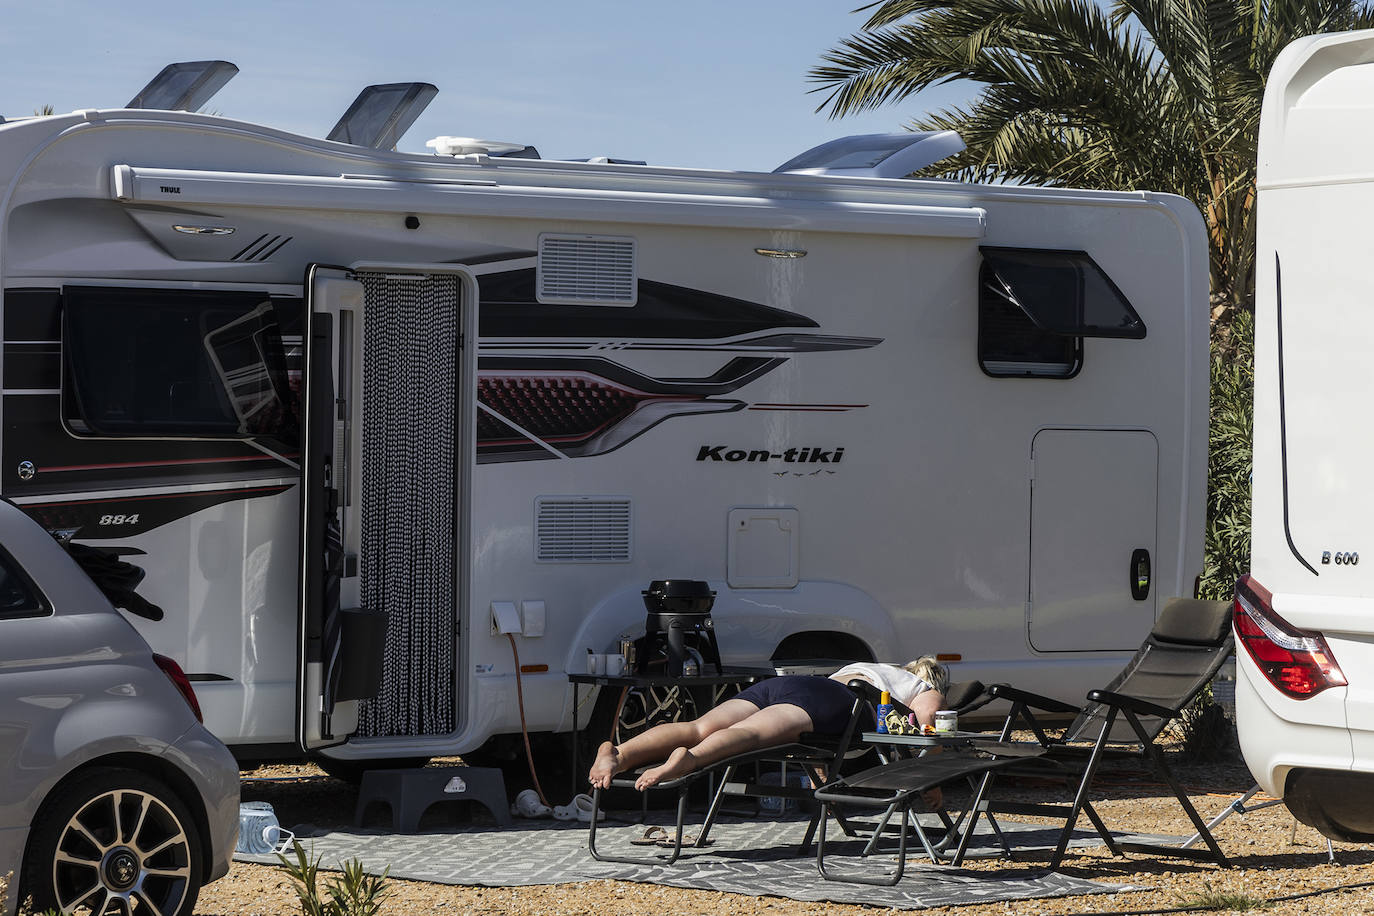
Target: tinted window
(17, 596)
(1063, 292)
(175, 363)
(1009, 343)
(1035, 306)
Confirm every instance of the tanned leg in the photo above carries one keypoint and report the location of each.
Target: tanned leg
(660, 741)
(780, 724)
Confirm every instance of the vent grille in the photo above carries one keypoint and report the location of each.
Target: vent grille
(586, 270)
(583, 529)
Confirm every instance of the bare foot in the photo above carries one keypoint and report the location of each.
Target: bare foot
(679, 763)
(606, 765)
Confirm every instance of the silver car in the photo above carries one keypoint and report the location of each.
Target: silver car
(113, 797)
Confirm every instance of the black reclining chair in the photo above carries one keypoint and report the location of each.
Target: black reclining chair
(820, 757)
(1178, 659)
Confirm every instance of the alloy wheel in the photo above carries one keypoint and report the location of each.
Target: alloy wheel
(123, 852)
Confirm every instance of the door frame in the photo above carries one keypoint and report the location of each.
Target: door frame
(310, 701)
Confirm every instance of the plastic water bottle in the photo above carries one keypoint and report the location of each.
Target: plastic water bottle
(259, 831)
(884, 708)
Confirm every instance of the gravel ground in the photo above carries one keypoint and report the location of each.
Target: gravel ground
(1273, 858)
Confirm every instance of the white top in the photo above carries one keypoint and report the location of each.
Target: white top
(900, 683)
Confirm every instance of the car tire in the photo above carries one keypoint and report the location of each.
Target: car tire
(114, 840)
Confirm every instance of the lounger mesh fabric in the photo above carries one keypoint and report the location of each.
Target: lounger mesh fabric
(1171, 666)
(408, 561)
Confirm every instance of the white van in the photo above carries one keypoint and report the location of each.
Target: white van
(1305, 614)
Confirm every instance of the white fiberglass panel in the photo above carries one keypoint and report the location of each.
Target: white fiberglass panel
(1092, 509)
(1312, 501)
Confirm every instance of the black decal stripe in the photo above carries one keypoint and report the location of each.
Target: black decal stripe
(1283, 418)
(153, 510)
(33, 366)
(495, 257)
(662, 310)
(165, 463)
(33, 432)
(33, 314)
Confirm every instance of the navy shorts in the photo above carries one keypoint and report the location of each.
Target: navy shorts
(827, 702)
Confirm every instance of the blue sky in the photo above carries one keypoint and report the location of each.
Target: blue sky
(710, 84)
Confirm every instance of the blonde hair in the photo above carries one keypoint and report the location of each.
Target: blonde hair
(931, 671)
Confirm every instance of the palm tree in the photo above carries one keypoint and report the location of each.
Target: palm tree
(1130, 94)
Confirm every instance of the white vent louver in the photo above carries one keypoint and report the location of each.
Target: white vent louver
(582, 529)
(586, 270)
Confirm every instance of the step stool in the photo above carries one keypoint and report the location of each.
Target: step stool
(410, 793)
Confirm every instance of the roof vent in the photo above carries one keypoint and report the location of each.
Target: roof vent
(185, 86)
(583, 529)
(466, 146)
(586, 270)
(381, 114)
(877, 155)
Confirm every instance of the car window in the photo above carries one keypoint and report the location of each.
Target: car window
(18, 598)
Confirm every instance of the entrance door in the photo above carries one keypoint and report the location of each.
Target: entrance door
(1092, 546)
(383, 393)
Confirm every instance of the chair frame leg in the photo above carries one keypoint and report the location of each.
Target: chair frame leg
(1081, 797)
(1157, 756)
(877, 881)
(638, 860)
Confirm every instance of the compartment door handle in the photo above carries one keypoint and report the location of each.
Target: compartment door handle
(1140, 574)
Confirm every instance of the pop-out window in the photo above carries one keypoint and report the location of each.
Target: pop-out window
(1035, 307)
(174, 363)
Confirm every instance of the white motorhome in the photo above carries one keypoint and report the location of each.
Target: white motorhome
(491, 397)
(1305, 614)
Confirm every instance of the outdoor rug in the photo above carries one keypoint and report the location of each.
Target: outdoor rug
(744, 856)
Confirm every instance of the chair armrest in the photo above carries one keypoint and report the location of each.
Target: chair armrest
(1007, 692)
(866, 690)
(1134, 704)
(873, 695)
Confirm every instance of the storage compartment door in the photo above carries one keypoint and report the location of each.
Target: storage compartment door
(1093, 497)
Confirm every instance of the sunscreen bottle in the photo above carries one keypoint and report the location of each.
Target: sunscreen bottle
(884, 708)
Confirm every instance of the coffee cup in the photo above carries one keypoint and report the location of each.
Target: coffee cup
(615, 665)
(596, 664)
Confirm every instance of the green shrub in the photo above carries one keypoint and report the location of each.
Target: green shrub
(352, 893)
(1227, 539)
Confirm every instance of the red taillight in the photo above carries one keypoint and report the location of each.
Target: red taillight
(1296, 662)
(181, 682)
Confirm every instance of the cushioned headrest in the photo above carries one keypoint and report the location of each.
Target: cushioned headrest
(964, 693)
(1193, 622)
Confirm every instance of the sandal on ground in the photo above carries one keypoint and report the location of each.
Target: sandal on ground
(689, 840)
(651, 837)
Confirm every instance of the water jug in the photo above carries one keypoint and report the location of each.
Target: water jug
(259, 832)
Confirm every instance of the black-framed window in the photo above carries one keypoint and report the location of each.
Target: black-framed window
(175, 363)
(18, 596)
(1035, 307)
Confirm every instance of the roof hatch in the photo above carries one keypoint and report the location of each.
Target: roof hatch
(877, 155)
(185, 86)
(382, 113)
